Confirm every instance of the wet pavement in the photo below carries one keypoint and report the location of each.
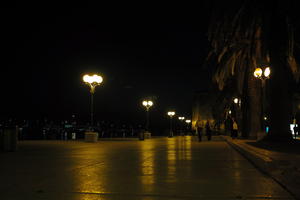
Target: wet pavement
(280, 160)
(159, 168)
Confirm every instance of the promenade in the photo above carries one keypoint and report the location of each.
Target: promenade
(155, 169)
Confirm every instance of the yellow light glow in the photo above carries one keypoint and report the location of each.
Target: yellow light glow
(258, 72)
(150, 103)
(86, 78)
(267, 72)
(92, 79)
(97, 79)
(145, 103)
(171, 113)
(235, 100)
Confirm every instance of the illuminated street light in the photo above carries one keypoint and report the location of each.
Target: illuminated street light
(236, 100)
(171, 114)
(181, 118)
(147, 104)
(229, 112)
(92, 82)
(262, 73)
(188, 121)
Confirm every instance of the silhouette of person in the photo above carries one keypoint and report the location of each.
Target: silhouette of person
(234, 130)
(199, 130)
(208, 130)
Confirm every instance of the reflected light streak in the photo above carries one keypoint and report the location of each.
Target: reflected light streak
(188, 148)
(147, 166)
(171, 160)
(89, 179)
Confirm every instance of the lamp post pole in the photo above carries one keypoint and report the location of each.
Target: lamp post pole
(92, 108)
(180, 125)
(188, 121)
(263, 74)
(147, 104)
(171, 114)
(92, 82)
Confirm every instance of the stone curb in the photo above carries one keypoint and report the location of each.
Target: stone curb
(270, 167)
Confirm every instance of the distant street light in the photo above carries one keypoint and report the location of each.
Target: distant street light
(188, 121)
(147, 104)
(181, 121)
(171, 114)
(235, 100)
(92, 81)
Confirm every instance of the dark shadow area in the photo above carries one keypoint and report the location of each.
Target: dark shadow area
(292, 147)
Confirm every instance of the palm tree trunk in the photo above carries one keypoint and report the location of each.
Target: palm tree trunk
(280, 90)
(255, 106)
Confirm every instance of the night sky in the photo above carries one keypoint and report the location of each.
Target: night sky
(139, 54)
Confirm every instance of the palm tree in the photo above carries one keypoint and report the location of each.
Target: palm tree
(244, 37)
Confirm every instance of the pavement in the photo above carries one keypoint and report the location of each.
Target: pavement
(155, 169)
(280, 161)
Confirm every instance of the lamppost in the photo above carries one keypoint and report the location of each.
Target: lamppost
(181, 120)
(188, 121)
(263, 74)
(92, 81)
(147, 104)
(237, 105)
(171, 114)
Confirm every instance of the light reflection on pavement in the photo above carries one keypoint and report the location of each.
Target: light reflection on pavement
(160, 168)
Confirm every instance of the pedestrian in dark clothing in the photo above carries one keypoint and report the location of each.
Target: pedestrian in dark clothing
(199, 131)
(234, 134)
(296, 131)
(208, 131)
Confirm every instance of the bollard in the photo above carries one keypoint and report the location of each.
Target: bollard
(91, 136)
(9, 138)
(141, 135)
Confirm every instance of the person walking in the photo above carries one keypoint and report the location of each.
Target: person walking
(296, 131)
(234, 130)
(199, 130)
(208, 130)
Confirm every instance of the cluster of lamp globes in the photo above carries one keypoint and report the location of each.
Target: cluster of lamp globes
(262, 73)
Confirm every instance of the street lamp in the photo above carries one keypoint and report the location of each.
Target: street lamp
(263, 74)
(171, 114)
(181, 119)
(188, 121)
(147, 104)
(92, 81)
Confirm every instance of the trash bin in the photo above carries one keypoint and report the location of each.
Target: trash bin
(90, 136)
(147, 135)
(142, 135)
(9, 138)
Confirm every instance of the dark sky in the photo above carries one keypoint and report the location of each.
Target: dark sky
(146, 53)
